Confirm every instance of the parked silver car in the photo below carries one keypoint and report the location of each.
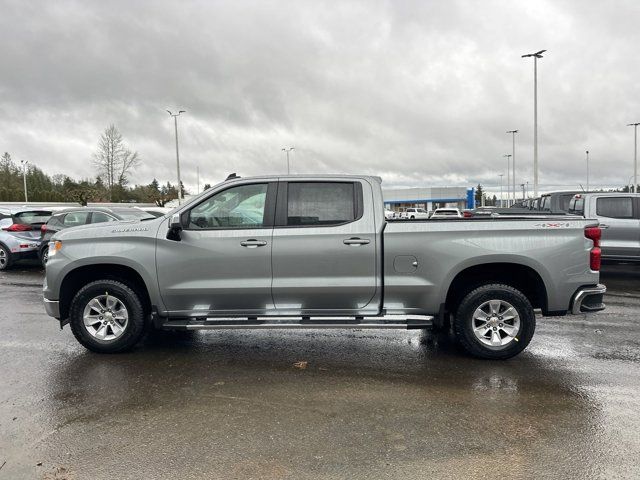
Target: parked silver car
(20, 233)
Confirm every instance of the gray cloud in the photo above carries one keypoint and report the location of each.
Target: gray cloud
(417, 92)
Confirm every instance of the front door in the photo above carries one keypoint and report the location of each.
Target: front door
(222, 262)
(324, 249)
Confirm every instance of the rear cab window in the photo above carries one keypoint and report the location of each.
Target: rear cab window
(565, 200)
(576, 205)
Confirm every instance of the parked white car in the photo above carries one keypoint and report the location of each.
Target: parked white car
(416, 214)
(447, 213)
(389, 214)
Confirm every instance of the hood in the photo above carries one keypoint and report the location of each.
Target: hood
(110, 229)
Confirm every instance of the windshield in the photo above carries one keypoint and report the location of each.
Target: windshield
(132, 214)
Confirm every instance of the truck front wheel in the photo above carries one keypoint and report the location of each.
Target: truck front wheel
(106, 316)
(494, 321)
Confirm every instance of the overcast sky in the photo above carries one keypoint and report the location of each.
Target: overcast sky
(420, 93)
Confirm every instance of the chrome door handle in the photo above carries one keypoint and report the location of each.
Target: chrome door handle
(356, 241)
(253, 243)
(603, 226)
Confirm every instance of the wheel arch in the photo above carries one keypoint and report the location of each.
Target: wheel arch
(519, 276)
(75, 279)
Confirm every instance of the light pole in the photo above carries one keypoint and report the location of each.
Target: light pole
(535, 56)
(287, 150)
(508, 155)
(635, 155)
(513, 152)
(175, 122)
(587, 170)
(24, 164)
(501, 175)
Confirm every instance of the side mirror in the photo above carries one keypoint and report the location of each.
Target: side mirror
(175, 227)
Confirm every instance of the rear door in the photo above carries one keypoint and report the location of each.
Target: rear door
(618, 216)
(324, 248)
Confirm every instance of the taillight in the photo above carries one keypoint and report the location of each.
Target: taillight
(18, 227)
(595, 255)
(43, 228)
(467, 214)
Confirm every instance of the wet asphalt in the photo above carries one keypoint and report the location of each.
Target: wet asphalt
(320, 404)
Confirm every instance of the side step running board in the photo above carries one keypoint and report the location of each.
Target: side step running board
(388, 322)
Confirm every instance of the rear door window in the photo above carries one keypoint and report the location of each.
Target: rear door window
(101, 217)
(614, 207)
(321, 203)
(74, 219)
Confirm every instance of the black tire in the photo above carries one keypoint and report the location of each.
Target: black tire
(134, 329)
(464, 322)
(44, 256)
(6, 259)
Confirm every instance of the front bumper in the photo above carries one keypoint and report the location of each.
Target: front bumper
(52, 307)
(588, 299)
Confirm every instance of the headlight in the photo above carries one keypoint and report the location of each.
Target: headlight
(54, 247)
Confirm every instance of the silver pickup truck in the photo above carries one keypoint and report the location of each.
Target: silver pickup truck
(619, 217)
(317, 252)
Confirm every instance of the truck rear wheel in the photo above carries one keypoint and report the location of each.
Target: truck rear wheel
(106, 316)
(494, 321)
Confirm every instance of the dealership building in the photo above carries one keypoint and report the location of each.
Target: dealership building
(398, 199)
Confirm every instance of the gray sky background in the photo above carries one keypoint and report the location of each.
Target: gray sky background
(420, 93)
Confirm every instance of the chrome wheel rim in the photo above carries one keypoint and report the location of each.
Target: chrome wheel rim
(105, 317)
(3, 258)
(45, 256)
(496, 323)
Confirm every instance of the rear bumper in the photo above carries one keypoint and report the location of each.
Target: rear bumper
(588, 299)
(52, 307)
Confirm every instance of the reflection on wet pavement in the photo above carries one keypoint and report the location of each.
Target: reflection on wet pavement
(399, 404)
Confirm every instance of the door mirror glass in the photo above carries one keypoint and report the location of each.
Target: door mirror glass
(175, 223)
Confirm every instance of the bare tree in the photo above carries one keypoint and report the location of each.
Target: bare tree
(113, 159)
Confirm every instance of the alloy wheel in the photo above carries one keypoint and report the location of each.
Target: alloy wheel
(496, 323)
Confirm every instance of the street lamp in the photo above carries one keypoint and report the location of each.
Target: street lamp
(175, 123)
(508, 155)
(635, 155)
(513, 152)
(501, 175)
(287, 150)
(24, 164)
(535, 56)
(587, 170)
